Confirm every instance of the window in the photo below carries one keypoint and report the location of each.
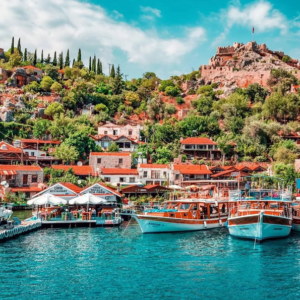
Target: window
(155, 174)
(115, 132)
(131, 179)
(105, 132)
(98, 160)
(129, 132)
(210, 147)
(107, 179)
(165, 174)
(32, 153)
(34, 178)
(120, 160)
(184, 206)
(201, 147)
(145, 174)
(177, 176)
(122, 179)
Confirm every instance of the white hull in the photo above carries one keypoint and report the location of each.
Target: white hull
(164, 224)
(296, 227)
(259, 231)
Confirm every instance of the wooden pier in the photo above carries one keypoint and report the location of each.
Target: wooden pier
(23, 228)
(68, 223)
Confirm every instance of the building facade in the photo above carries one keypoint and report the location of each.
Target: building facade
(100, 160)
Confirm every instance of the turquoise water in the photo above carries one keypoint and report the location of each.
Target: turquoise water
(110, 263)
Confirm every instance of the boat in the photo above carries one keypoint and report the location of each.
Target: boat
(260, 214)
(198, 208)
(296, 215)
(5, 212)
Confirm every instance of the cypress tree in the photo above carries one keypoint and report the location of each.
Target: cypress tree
(79, 55)
(99, 67)
(48, 59)
(25, 54)
(112, 72)
(94, 64)
(117, 84)
(73, 62)
(42, 57)
(90, 64)
(12, 48)
(54, 59)
(34, 58)
(67, 61)
(61, 60)
(19, 46)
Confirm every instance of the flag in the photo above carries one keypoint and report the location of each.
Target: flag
(253, 30)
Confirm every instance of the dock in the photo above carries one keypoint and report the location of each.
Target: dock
(68, 223)
(23, 228)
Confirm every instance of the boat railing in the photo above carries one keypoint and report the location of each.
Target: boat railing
(260, 195)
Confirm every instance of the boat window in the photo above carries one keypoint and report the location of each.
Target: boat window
(194, 207)
(184, 206)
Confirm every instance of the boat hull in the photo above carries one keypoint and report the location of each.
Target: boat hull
(296, 224)
(149, 224)
(260, 227)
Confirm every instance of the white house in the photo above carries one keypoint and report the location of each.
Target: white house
(122, 176)
(154, 173)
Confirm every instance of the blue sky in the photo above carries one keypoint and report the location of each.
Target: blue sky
(165, 37)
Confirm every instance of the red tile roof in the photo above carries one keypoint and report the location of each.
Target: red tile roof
(78, 170)
(116, 171)
(40, 141)
(20, 168)
(154, 166)
(9, 148)
(192, 169)
(71, 186)
(229, 172)
(150, 186)
(110, 154)
(197, 141)
(31, 67)
(27, 189)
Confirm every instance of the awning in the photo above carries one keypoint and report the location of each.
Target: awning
(8, 172)
(26, 189)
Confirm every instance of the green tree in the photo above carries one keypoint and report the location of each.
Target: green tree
(42, 57)
(149, 75)
(90, 64)
(224, 145)
(99, 67)
(79, 55)
(35, 58)
(54, 62)
(48, 59)
(61, 60)
(40, 127)
(164, 84)
(113, 147)
(94, 64)
(12, 48)
(32, 87)
(46, 83)
(25, 55)
(56, 87)
(52, 72)
(67, 61)
(66, 153)
(53, 109)
(19, 46)
(172, 91)
(112, 72)
(286, 58)
(101, 107)
(117, 84)
(15, 59)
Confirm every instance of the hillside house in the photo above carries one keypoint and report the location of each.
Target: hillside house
(184, 175)
(100, 160)
(20, 178)
(125, 143)
(154, 174)
(31, 70)
(119, 176)
(10, 154)
(200, 147)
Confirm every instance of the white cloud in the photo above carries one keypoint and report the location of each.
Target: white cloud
(153, 11)
(58, 25)
(260, 15)
(117, 15)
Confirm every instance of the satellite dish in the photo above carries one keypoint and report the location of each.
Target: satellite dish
(3, 183)
(79, 163)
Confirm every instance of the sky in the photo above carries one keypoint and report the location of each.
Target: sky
(166, 37)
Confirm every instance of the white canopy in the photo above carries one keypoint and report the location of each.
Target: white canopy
(47, 199)
(175, 187)
(87, 199)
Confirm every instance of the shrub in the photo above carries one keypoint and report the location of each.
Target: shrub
(286, 59)
(179, 100)
(101, 107)
(172, 91)
(56, 87)
(205, 89)
(191, 92)
(214, 85)
(164, 84)
(170, 109)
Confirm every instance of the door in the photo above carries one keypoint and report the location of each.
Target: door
(25, 179)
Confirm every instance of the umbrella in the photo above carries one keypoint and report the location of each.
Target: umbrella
(87, 199)
(47, 199)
